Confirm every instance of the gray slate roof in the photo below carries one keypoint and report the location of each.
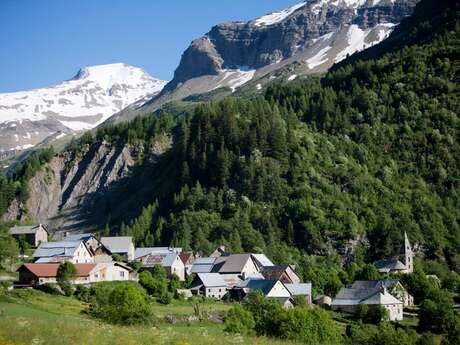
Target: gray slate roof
(118, 245)
(374, 284)
(212, 280)
(388, 265)
(264, 285)
(62, 248)
(203, 265)
(25, 230)
(303, 289)
(162, 259)
(140, 252)
(365, 292)
(233, 263)
(262, 260)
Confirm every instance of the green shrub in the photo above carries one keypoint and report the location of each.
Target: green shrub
(82, 293)
(50, 288)
(165, 298)
(239, 320)
(126, 304)
(383, 334)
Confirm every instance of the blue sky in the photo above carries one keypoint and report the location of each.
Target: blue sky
(43, 42)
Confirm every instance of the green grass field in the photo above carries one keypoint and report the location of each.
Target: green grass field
(32, 317)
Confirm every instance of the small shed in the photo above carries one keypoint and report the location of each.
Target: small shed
(32, 234)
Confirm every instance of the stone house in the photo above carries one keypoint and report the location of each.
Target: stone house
(348, 299)
(33, 234)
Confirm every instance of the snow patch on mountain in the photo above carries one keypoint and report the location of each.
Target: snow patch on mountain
(276, 17)
(319, 58)
(234, 78)
(358, 39)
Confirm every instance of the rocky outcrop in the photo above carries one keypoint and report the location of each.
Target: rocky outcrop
(81, 191)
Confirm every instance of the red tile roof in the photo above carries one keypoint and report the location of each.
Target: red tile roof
(50, 270)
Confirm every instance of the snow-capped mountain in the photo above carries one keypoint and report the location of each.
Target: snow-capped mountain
(317, 33)
(83, 102)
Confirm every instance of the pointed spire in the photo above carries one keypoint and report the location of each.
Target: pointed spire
(407, 246)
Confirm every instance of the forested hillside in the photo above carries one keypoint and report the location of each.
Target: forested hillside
(339, 165)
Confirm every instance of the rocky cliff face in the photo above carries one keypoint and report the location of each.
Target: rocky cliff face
(80, 192)
(270, 39)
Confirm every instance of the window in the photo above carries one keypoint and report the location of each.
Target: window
(122, 274)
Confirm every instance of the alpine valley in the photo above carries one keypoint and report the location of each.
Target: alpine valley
(325, 135)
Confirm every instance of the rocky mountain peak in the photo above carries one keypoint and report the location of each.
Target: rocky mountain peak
(93, 95)
(291, 33)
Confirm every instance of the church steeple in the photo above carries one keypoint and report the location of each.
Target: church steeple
(408, 255)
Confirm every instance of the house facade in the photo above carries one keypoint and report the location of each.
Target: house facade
(210, 285)
(38, 274)
(99, 252)
(33, 234)
(169, 260)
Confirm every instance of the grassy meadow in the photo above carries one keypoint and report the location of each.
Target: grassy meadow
(33, 317)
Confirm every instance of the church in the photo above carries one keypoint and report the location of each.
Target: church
(395, 265)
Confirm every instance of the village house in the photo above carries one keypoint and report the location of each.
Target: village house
(235, 268)
(122, 245)
(300, 290)
(285, 273)
(75, 252)
(38, 274)
(210, 285)
(168, 259)
(394, 265)
(100, 252)
(269, 287)
(348, 299)
(33, 234)
(393, 286)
